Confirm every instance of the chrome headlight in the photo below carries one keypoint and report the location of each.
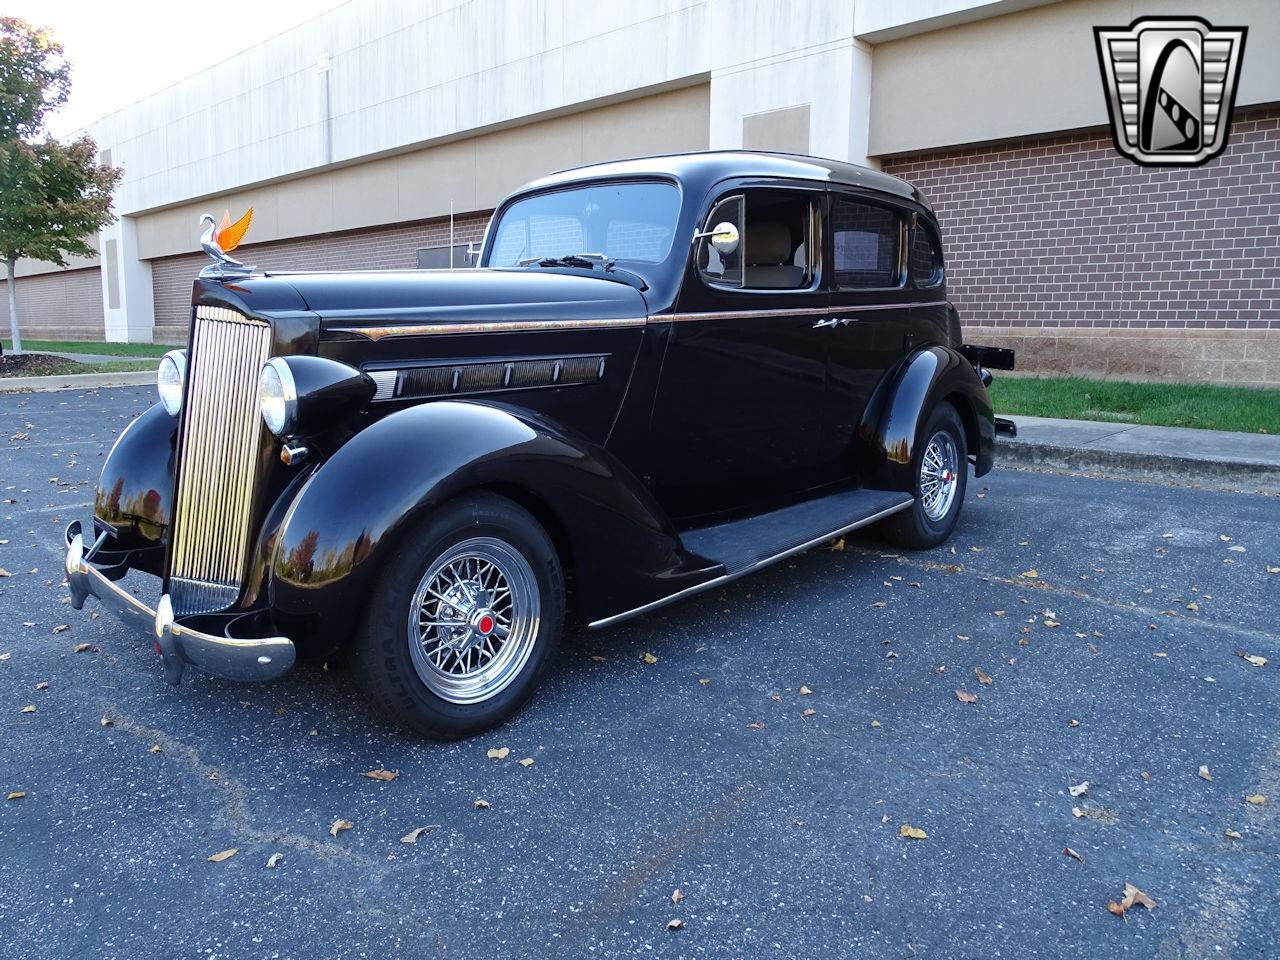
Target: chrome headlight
(171, 380)
(278, 397)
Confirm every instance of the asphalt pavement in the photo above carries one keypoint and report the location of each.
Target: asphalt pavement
(1111, 619)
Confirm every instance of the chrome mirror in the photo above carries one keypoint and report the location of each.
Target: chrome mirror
(724, 237)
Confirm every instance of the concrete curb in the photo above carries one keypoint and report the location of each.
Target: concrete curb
(1160, 467)
(77, 381)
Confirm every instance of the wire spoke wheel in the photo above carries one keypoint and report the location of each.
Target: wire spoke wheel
(474, 620)
(939, 475)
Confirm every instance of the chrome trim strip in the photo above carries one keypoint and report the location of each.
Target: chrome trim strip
(759, 565)
(497, 326)
(788, 312)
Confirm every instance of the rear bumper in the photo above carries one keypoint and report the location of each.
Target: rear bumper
(256, 658)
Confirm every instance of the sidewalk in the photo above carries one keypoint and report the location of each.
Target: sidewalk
(1216, 457)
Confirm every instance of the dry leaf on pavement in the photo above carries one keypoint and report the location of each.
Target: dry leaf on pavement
(1205, 774)
(273, 861)
(29, 708)
(1256, 799)
(497, 753)
(676, 895)
(338, 826)
(675, 924)
(983, 679)
(914, 833)
(16, 795)
(755, 726)
(1079, 790)
(386, 776)
(526, 762)
(224, 855)
(1030, 574)
(1133, 897)
(106, 721)
(649, 658)
(1077, 812)
(82, 648)
(964, 696)
(413, 835)
(480, 804)
(1255, 660)
(1072, 854)
(808, 712)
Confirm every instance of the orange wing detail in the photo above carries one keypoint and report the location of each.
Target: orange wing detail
(230, 234)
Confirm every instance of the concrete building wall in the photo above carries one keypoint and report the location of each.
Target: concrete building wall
(56, 305)
(1085, 262)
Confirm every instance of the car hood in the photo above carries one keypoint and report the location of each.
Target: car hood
(350, 301)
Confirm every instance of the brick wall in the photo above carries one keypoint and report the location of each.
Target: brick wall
(1088, 263)
(384, 248)
(65, 305)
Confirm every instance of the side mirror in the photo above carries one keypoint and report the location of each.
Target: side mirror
(724, 237)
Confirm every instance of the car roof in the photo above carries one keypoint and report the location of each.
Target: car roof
(705, 168)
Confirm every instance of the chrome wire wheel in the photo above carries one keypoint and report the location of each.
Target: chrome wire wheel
(474, 620)
(939, 475)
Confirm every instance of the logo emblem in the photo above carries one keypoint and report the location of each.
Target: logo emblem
(1170, 85)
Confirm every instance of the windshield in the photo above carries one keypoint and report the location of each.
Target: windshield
(622, 221)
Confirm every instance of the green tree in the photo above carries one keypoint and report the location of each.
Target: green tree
(53, 196)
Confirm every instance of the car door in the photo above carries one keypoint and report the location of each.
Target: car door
(737, 418)
(877, 316)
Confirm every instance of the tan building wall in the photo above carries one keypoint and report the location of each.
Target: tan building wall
(471, 174)
(58, 305)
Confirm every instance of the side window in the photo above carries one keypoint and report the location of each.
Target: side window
(775, 249)
(867, 245)
(926, 264)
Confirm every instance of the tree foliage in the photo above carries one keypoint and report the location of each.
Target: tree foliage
(53, 196)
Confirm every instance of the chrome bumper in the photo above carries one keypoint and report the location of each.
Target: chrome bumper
(262, 658)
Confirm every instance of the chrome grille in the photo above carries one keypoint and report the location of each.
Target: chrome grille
(218, 460)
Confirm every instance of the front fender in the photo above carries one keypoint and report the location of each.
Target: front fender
(359, 503)
(901, 402)
(135, 489)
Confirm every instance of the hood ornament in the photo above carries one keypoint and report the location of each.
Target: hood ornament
(219, 239)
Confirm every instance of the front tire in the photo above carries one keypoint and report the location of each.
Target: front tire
(465, 619)
(940, 469)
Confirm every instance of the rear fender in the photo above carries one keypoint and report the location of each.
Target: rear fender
(358, 504)
(906, 397)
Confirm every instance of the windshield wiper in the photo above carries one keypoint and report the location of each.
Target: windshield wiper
(584, 261)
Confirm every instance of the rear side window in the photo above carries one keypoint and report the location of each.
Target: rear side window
(867, 239)
(926, 263)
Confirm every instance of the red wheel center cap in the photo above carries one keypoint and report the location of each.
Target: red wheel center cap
(485, 624)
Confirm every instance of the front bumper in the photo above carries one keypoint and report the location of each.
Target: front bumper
(258, 658)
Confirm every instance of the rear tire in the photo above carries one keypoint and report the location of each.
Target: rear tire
(464, 621)
(940, 468)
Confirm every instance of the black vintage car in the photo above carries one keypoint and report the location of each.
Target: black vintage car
(665, 374)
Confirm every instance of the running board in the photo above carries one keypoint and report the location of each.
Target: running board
(753, 543)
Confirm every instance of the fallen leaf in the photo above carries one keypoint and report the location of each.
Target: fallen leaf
(105, 721)
(1256, 799)
(1255, 660)
(877, 605)
(962, 636)
(1030, 574)
(875, 724)
(915, 833)
(808, 712)
(704, 681)
(965, 697)
(338, 826)
(649, 658)
(155, 748)
(1133, 897)
(81, 647)
(5, 573)
(1193, 606)
(755, 726)
(526, 762)
(16, 795)
(1237, 549)
(1072, 854)
(675, 924)
(1073, 723)
(5, 656)
(480, 804)
(29, 708)
(1052, 623)
(983, 679)
(273, 861)
(1224, 538)
(1271, 569)
(1079, 790)
(386, 776)
(1234, 835)
(836, 545)
(224, 855)
(42, 685)
(61, 628)
(1161, 654)
(1205, 774)
(597, 658)
(1077, 812)
(805, 691)
(498, 753)
(676, 895)
(413, 835)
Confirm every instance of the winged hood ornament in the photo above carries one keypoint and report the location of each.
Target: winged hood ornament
(219, 239)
